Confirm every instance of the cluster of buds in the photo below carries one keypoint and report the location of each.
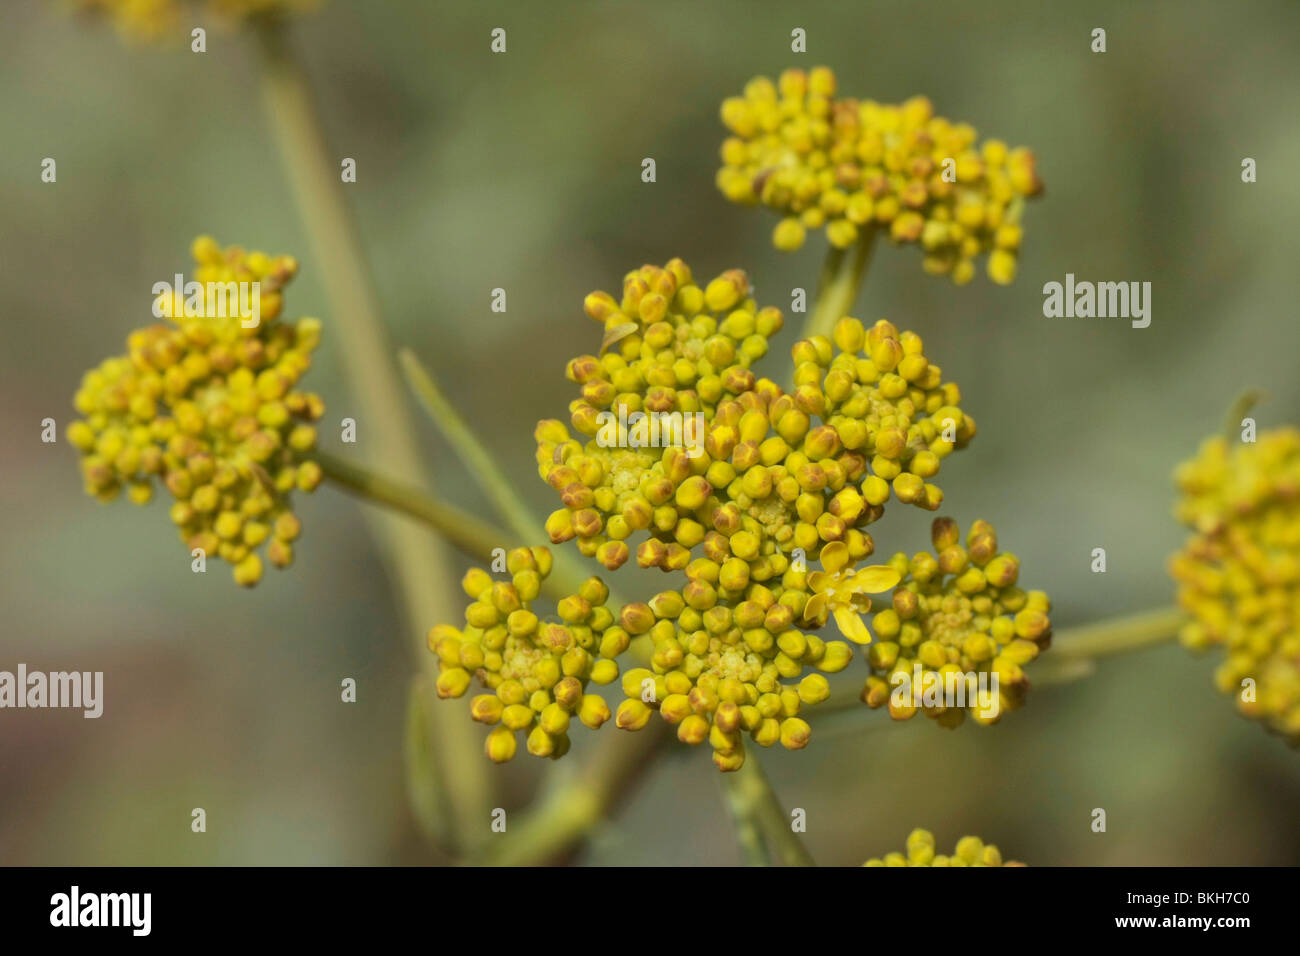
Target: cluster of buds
(748, 485)
(746, 471)
(956, 622)
(211, 409)
(728, 659)
(970, 851)
(1239, 572)
(148, 21)
(535, 671)
(856, 166)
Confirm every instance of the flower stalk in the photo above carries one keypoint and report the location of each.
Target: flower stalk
(414, 561)
(555, 829)
(568, 574)
(466, 531)
(756, 808)
(837, 290)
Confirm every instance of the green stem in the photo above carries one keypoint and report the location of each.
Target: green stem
(505, 499)
(471, 534)
(1118, 635)
(555, 829)
(744, 816)
(837, 289)
(415, 562)
(750, 789)
(567, 573)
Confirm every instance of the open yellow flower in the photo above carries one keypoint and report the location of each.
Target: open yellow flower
(842, 591)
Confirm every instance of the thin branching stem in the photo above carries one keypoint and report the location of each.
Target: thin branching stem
(567, 574)
(415, 561)
(466, 531)
(558, 825)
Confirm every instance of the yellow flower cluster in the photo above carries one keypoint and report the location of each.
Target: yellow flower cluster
(536, 671)
(856, 166)
(957, 620)
(722, 649)
(1239, 572)
(741, 487)
(148, 21)
(214, 411)
(741, 469)
(970, 851)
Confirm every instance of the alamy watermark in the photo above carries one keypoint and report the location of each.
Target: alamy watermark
(652, 430)
(930, 689)
(82, 690)
(75, 908)
(1101, 300)
(211, 300)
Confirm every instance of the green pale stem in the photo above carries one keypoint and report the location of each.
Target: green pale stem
(837, 289)
(415, 561)
(1076, 650)
(556, 828)
(756, 806)
(469, 533)
(567, 573)
(744, 817)
(505, 498)
(427, 802)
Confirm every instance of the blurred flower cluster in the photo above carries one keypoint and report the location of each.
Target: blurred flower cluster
(213, 411)
(970, 851)
(857, 166)
(151, 21)
(1239, 572)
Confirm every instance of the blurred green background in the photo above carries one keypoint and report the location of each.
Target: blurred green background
(523, 171)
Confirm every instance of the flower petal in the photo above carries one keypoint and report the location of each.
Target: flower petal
(835, 556)
(874, 579)
(815, 609)
(852, 626)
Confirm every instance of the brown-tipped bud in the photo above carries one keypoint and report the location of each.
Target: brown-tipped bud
(486, 708)
(613, 554)
(637, 618)
(587, 523)
(953, 560)
(600, 306)
(944, 534)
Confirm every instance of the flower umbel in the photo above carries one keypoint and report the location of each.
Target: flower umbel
(212, 410)
(1239, 572)
(870, 417)
(535, 670)
(855, 166)
(776, 480)
(720, 657)
(957, 616)
(970, 851)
